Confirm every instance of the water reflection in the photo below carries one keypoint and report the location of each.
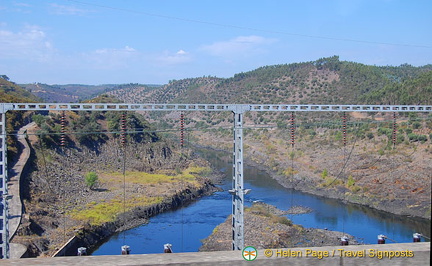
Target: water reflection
(185, 227)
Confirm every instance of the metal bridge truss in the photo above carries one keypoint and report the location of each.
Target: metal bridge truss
(237, 191)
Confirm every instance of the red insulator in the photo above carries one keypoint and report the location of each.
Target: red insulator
(181, 129)
(394, 129)
(63, 130)
(344, 127)
(123, 128)
(292, 129)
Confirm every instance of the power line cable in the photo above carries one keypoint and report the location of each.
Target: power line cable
(246, 28)
(141, 131)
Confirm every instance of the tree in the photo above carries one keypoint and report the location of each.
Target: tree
(91, 179)
(39, 119)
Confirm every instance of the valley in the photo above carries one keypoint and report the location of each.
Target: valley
(373, 159)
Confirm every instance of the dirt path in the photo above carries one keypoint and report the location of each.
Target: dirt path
(14, 203)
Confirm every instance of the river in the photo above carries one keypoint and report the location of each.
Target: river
(186, 226)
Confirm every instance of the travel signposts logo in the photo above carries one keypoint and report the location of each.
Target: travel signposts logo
(249, 253)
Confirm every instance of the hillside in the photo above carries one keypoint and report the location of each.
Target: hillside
(325, 81)
(12, 93)
(70, 93)
(368, 168)
(137, 173)
(65, 93)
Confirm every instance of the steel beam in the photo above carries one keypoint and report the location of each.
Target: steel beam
(237, 190)
(214, 107)
(4, 230)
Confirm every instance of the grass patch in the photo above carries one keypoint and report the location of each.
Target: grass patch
(281, 220)
(331, 181)
(98, 214)
(263, 210)
(259, 209)
(188, 175)
(289, 171)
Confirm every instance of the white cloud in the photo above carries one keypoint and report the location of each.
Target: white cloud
(22, 4)
(169, 58)
(244, 46)
(31, 43)
(111, 58)
(122, 51)
(68, 10)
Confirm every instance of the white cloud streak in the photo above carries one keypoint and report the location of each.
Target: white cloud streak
(170, 58)
(111, 58)
(31, 44)
(242, 46)
(68, 10)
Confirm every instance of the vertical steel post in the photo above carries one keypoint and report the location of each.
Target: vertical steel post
(4, 230)
(238, 190)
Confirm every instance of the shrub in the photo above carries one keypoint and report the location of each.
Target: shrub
(91, 179)
(415, 137)
(39, 119)
(351, 181)
(324, 174)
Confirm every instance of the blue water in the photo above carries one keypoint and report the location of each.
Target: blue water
(185, 227)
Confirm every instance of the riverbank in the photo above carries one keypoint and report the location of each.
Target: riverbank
(396, 205)
(186, 228)
(93, 236)
(265, 228)
(397, 182)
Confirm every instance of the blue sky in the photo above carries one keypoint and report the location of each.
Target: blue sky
(140, 41)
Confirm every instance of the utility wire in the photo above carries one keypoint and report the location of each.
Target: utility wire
(244, 27)
(139, 130)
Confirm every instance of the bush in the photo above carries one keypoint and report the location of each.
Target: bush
(415, 137)
(416, 125)
(324, 174)
(351, 181)
(384, 131)
(91, 179)
(39, 119)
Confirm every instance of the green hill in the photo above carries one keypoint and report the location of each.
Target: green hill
(66, 93)
(324, 81)
(370, 163)
(12, 93)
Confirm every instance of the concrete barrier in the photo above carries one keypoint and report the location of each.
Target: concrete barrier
(388, 254)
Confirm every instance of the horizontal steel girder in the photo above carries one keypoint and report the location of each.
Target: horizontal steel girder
(236, 108)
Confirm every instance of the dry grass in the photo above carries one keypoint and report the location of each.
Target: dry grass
(187, 175)
(98, 214)
(155, 187)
